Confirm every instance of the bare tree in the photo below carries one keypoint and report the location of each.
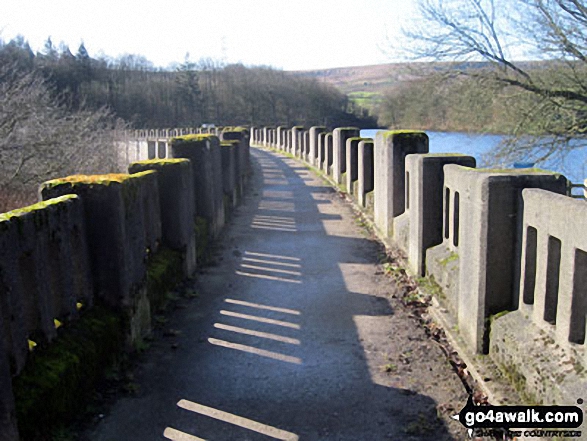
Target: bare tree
(547, 97)
(40, 139)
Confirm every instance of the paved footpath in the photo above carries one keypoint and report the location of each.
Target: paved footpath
(294, 335)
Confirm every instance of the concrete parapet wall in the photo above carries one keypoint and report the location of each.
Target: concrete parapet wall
(541, 345)
(92, 245)
(487, 240)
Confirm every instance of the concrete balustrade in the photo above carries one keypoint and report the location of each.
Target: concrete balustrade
(41, 247)
(94, 240)
(486, 241)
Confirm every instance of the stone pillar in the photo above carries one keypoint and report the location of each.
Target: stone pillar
(391, 149)
(176, 206)
(339, 138)
(366, 172)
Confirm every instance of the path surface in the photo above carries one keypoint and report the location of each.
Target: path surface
(294, 335)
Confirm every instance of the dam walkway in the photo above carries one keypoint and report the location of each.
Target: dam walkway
(294, 334)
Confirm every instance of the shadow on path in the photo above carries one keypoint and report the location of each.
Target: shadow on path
(275, 347)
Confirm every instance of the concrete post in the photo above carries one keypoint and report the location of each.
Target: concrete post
(321, 152)
(123, 227)
(281, 130)
(229, 171)
(352, 165)
(329, 151)
(243, 154)
(313, 145)
(339, 138)
(296, 141)
(424, 200)
(176, 206)
(365, 171)
(203, 151)
(391, 149)
(44, 271)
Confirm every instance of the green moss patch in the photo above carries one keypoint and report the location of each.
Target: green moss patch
(58, 381)
(193, 137)
(112, 178)
(164, 271)
(36, 207)
(159, 162)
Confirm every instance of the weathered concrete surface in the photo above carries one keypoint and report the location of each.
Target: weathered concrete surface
(294, 331)
(391, 149)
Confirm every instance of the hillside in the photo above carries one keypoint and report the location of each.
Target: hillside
(365, 85)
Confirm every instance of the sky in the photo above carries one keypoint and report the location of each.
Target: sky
(289, 35)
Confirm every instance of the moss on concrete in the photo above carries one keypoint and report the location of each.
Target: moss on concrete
(164, 271)
(149, 163)
(108, 179)
(193, 137)
(391, 133)
(35, 207)
(58, 381)
(452, 257)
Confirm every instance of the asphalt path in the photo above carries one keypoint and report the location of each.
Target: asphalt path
(294, 335)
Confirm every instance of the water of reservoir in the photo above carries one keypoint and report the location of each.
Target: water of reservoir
(574, 167)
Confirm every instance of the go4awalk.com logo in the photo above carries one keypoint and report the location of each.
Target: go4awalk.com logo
(527, 421)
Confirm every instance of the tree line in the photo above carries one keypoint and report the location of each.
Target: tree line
(192, 93)
(60, 112)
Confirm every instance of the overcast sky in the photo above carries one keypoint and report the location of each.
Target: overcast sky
(301, 34)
